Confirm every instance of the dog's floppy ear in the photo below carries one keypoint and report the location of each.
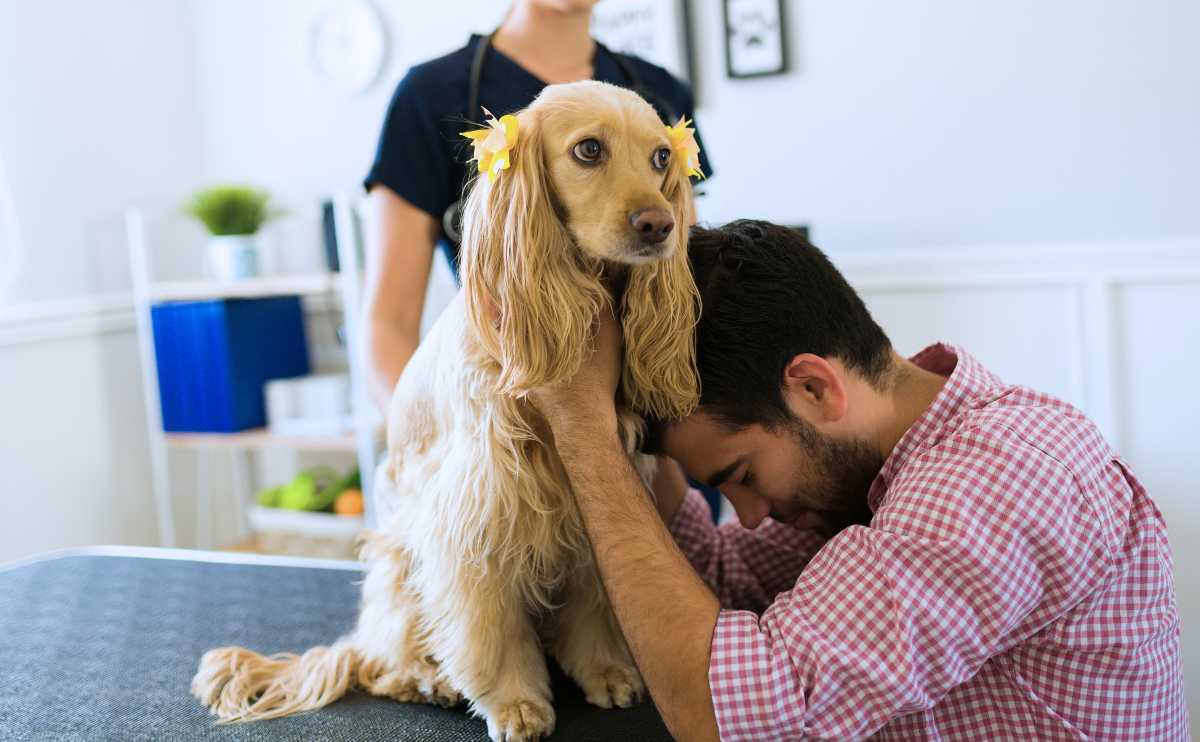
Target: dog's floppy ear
(660, 309)
(531, 301)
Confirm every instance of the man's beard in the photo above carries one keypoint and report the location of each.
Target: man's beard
(845, 470)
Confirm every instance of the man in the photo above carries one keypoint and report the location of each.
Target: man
(934, 555)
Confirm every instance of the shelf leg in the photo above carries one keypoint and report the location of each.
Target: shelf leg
(349, 241)
(139, 268)
(203, 502)
(242, 490)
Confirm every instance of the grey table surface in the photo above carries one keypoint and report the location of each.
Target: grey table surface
(101, 645)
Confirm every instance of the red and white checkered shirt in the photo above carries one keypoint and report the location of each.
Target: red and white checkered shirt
(1014, 584)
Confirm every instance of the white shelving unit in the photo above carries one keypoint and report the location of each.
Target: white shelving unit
(363, 442)
(298, 521)
(263, 438)
(248, 288)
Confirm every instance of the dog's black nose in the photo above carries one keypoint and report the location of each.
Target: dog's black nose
(652, 225)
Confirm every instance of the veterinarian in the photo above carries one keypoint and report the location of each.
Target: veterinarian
(935, 554)
(420, 166)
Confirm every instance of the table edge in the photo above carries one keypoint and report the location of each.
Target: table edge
(186, 555)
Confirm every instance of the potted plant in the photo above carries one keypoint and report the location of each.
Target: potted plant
(232, 215)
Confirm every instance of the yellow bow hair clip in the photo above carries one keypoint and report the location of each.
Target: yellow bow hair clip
(493, 143)
(685, 147)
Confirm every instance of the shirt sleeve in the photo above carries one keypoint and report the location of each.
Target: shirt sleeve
(413, 158)
(975, 550)
(745, 568)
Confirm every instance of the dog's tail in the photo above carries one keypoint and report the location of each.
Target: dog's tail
(239, 685)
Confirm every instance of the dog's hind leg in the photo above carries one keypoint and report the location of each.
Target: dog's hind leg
(585, 639)
(488, 648)
(394, 659)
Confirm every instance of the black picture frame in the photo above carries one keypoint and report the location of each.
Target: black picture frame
(775, 35)
(688, 41)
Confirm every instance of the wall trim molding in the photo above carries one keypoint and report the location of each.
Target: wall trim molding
(1094, 268)
(1091, 275)
(61, 319)
(1053, 264)
(90, 316)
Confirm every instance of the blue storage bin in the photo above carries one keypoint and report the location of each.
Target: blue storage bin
(214, 357)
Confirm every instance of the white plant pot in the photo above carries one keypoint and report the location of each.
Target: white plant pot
(231, 257)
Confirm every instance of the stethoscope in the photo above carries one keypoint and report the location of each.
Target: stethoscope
(452, 218)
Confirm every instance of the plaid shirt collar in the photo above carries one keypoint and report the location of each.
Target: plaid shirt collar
(969, 386)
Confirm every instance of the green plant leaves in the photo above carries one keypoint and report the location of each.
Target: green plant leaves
(232, 209)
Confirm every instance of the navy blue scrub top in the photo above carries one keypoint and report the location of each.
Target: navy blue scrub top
(421, 155)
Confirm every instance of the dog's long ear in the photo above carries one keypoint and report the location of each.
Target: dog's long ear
(660, 309)
(531, 298)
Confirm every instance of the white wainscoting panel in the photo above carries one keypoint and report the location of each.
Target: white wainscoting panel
(1158, 367)
(1016, 331)
(73, 444)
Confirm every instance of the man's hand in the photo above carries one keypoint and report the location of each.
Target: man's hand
(590, 395)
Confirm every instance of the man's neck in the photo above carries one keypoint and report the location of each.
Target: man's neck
(911, 394)
(554, 45)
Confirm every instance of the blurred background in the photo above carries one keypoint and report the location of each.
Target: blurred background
(1019, 177)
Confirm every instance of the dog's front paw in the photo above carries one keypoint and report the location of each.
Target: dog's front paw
(521, 721)
(614, 685)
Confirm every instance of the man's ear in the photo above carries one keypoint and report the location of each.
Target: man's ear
(815, 389)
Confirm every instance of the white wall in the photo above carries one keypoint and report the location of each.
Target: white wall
(97, 111)
(901, 124)
(912, 124)
(72, 446)
(934, 122)
(270, 119)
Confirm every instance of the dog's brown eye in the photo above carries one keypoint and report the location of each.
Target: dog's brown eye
(661, 158)
(588, 151)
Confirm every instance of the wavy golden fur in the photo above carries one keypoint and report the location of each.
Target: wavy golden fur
(481, 562)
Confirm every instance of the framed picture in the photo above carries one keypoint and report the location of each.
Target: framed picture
(659, 31)
(754, 38)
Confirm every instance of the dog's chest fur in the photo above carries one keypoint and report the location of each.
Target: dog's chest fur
(476, 479)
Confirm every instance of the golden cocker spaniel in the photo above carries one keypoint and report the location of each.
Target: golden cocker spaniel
(481, 563)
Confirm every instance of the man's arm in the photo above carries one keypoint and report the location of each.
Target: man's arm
(666, 613)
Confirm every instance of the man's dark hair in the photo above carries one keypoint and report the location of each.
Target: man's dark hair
(767, 295)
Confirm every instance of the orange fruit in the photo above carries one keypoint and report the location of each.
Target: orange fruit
(350, 502)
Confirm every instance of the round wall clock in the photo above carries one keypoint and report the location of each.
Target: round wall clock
(348, 45)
